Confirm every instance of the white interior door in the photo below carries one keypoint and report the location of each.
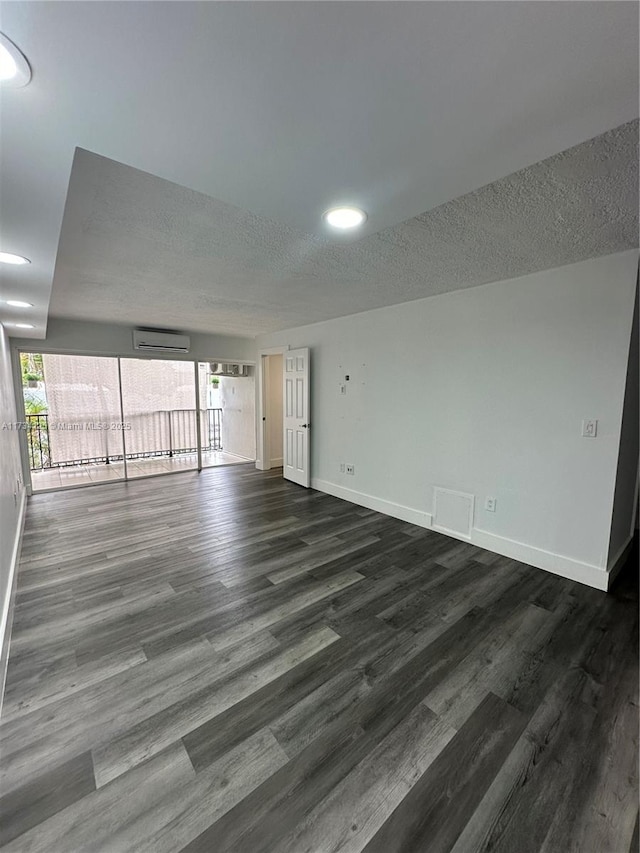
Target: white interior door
(296, 424)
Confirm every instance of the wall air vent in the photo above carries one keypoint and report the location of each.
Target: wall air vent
(160, 340)
(220, 369)
(453, 512)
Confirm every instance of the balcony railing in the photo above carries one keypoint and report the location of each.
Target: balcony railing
(163, 433)
(38, 441)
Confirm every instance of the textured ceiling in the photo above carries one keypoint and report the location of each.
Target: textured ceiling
(137, 249)
(286, 108)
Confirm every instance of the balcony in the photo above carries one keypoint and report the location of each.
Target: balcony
(63, 454)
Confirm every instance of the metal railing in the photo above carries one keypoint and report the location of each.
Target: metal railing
(150, 434)
(214, 429)
(38, 441)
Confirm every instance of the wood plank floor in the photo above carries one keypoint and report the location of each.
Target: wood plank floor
(228, 663)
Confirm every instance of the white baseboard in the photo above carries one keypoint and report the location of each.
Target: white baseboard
(6, 617)
(261, 465)
(557, 564)
(404, 513)
(619, 559)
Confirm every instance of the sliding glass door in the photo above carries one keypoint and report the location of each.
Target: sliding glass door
(93, 419)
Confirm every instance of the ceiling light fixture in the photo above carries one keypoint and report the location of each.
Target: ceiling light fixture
(23, 326)
(8, 258)
(16, 303)
(345, 217)
(14, 68)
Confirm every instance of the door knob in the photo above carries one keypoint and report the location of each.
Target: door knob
(304, 426)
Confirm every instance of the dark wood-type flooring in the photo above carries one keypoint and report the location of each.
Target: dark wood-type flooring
(226, 662)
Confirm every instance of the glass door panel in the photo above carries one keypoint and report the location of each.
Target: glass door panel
(159, 407)
(210, 415)
(227, 415)
(73, 421)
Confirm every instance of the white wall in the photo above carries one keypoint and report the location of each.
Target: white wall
(624, 509)
(484, 391)
(12, 496)
(76, 336)
(238, 430)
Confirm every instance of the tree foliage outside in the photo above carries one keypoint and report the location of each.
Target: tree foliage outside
(31, 366)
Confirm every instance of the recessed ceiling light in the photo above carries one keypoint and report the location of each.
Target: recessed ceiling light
(16, 303)
(8, 258)
(14, 68)
(23, 326)
(345, 217)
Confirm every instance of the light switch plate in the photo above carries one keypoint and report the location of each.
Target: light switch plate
(589, 428)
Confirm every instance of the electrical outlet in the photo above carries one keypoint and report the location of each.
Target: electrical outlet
(351, 469)
(589, 428)
(490, 504)
(342, 467)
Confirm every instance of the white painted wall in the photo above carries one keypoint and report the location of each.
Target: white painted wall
(77, 336)
(238, 431)
(483, 391)
(12, 495)
(624, 508)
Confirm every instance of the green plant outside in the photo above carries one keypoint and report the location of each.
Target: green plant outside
(34, 406)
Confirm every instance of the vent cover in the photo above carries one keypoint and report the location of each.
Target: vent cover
(453, 512)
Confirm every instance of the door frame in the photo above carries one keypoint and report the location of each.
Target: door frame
(263, 457)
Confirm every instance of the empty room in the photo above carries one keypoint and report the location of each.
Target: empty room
(319, 429)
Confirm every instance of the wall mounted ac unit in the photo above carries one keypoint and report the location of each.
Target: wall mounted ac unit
(157, 340)
(219, 369)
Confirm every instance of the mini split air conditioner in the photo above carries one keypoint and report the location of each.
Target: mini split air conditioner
(219, 369)
(157, 340)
